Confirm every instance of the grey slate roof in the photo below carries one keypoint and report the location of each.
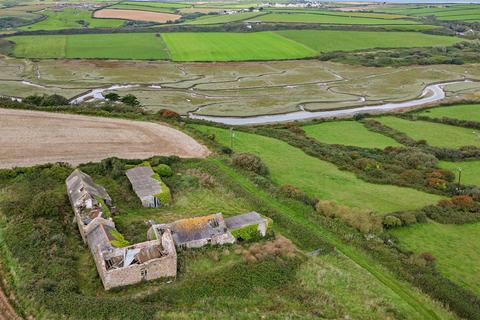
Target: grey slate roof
(142, 182)
(101, 235)
(80, 184)
(192, 229)
(243, 220)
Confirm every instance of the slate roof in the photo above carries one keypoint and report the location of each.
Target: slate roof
(198, 228)
(142, 182)
(101, 235)
(80, 185)
(243, 220)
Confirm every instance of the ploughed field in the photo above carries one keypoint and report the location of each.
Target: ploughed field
(136, 15)
(28, 138)
(218, 46)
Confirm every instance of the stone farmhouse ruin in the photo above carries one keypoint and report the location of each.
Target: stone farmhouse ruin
(120, 265)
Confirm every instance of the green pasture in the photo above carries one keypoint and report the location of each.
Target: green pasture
(470, 170)
(319, 178)
(222, 46)
(455, 247)
(71, 18)
(375, 15)
(327, 19)
(436, 134)
(452, 12)
(217, 46)
(460, 111)
(349, 133)
(115, 46)
(223, 18)
(329, 40)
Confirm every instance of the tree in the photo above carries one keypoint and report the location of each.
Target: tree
(112, 96)
(130, 100)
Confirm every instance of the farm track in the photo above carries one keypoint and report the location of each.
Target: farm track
(365, 262)
(7, 312)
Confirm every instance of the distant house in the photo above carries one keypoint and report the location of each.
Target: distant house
(117, 266)
(148, 186)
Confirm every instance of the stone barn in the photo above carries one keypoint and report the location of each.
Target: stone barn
(196, 232)
(145, 186)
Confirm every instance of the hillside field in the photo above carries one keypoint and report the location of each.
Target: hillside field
(224, 18)
(350, 133)
(216, 46)
(331, 40)
(455, 247)
(470, 170)
(71, 18)
(328, 19)
(113, 46)
(462, 112)
(213, 46)
(319, 178)
(436, 134)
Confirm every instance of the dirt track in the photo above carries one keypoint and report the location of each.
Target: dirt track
(136, 15)
(30, 137)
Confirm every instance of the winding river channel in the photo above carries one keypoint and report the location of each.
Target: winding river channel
(430, 94)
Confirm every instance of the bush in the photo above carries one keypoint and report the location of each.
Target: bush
(168, 114)
(427, 256)
(246, 233)
(391, 222)
(112, 96)
(360, 219)
(46, 100)
(130, 100)
(163, 170)
(250, 162)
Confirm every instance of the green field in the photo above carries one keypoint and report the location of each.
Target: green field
(350, 133)
(219, 46)
(326, 40)
(456, 248)
(470, 170)
(223, 18)
(452, 12)
(115, 46)
(327, 19)
(375, 15)
(322, 179)
(70, 18)
(436, 134)
(462, 111)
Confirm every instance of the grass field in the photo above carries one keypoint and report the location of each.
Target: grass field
(322, 179)
(436, 134)
(470, 170)
(375, 15)
(461, 111)
(115, 46)
(349, 133)
(214, 46)
(223, 18)
(327, 19)
(456, 248)
(325, 41)
(217, 46)
(70, 18)
(453, 12)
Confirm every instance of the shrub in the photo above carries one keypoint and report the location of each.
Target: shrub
(391, 222)
(427, 256)
(112, 96)
(165, 195)
(119, 241)
(462, 202)
(168, 114)
(360, 219)
(250, 162)
(163, 170)
(130, 100)
(246, 233)
(205, 179)
(289, 191)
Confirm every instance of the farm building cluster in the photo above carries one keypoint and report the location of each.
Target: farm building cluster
(119, 263)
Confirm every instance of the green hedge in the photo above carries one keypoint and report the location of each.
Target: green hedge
(247, 233)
